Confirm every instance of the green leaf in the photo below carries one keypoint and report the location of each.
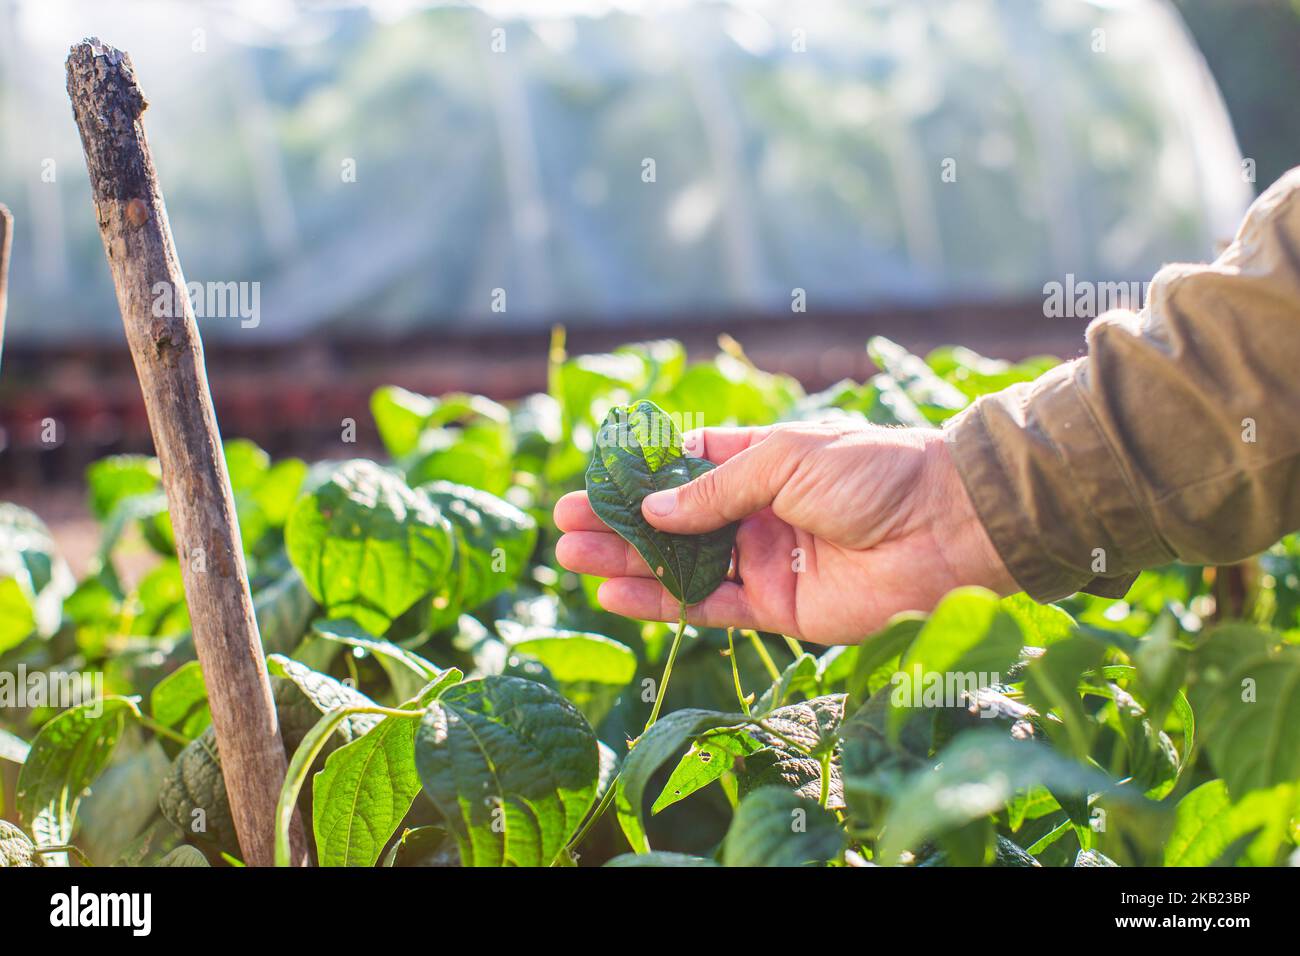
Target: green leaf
(192, 796)
(1207, 825)
(639, 451)
(367, 546)
(325, 694)
(479, 455)
(1041, 625)
(799, 677)
(791, 739)
(16, 848)
(494, 542)
(180, 701)
(937, 399)
(1093, 858)
(968, 634)
(1161, 667)
(70, 751)
(656, 745)
(589, 669)
(978, 774)
(1250, 717)
(39, 578)
(774, 826)
(283, 608)
(122, 801)
(365, 790)
(17, 616)
(660, 858)
(708, 759)
(400, 416)
(116, 477)
(184, 856)
(878, 655)
(1052, 685)
(351, 634)
(511, 765)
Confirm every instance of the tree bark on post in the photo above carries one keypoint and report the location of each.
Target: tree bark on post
(168, 355)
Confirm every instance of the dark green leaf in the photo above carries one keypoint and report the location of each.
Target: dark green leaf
(67, 755)
(979, 774)
(639, 451)
(511, 765)
(660, 858)
(774, 826)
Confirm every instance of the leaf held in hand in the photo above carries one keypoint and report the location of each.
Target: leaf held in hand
(639, 451)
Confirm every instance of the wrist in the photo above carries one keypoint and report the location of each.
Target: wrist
(964, 546)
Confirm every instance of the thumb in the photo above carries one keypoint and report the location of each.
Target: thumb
(741, 485)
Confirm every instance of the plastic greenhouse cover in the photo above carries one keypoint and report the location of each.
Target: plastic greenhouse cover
(598, 161)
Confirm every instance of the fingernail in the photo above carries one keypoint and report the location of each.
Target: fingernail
(661, 502)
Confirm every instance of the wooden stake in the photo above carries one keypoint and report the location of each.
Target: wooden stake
(6, 243)
(168, 355)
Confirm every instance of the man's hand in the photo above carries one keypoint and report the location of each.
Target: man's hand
(843, 525)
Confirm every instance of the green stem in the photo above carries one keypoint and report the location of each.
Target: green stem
(826, 779)
(608, 798)
(596, 814)
(162, 730)
(668, 669)
(735, 673)
(304, 757)
(764, 655)
(65, 848)
(795, 647)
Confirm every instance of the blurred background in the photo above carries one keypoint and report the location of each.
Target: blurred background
(420, 191)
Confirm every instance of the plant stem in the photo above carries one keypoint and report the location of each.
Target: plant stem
(795, 647)
(65, 848)
(162, 730)
(826, 779)
(608, 798)
(668, 669)
(764, 655)
(300, 766)
(735, 673)
(596, 814)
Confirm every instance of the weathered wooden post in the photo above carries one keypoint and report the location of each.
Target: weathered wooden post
(168, 355)
(6, 241)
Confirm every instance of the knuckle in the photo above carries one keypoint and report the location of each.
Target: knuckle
(705, 492)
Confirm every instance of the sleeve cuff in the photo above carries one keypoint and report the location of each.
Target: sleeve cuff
(1050, 492)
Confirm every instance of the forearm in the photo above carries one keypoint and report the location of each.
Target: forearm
(1176, 437)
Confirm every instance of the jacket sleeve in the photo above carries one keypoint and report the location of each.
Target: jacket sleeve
(1176, 437)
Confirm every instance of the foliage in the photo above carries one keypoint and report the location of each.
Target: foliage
(449, 696)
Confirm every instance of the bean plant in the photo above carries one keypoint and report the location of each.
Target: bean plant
(449, 695)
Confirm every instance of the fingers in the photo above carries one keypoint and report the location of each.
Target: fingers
(573, 513)
(747, 481)
(719, 444)
(648, 600)
(603, 554)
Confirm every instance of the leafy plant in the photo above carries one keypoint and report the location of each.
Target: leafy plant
(448, 696)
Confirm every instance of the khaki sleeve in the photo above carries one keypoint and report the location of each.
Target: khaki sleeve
(1176, 437)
